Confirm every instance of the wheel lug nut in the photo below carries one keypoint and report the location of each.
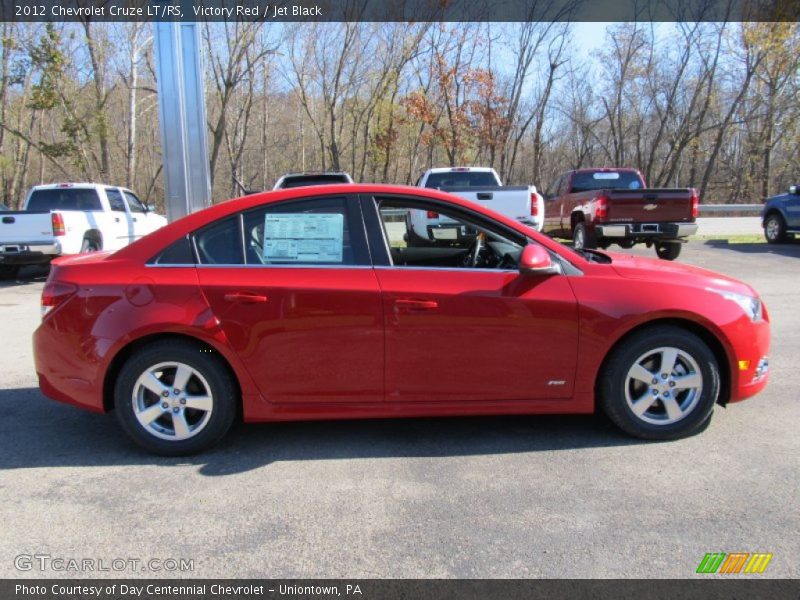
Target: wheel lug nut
(663, 376)
(666, 394)
(164, 405)
(671, 384)
(176, 410)
(183, 400)
(655, 381)
(655, 392)
(176, 391)
(165, 393)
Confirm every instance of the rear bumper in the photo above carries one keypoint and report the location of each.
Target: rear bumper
(29, 253)
(647, 230)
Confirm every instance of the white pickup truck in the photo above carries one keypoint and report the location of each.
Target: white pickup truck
(69, 218)
(478, 184)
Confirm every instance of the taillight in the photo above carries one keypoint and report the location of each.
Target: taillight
(695, 204)
(55, 293)
(433, 215)
(58, 224)
(534, 204)
(600, 208)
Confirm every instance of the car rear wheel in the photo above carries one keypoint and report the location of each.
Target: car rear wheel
(661, 384)
(175, 398)
(582, 238)
(668, 250)
(775, 229)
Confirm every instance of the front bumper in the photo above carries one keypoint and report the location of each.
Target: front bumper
(647, 230)
(750, 368)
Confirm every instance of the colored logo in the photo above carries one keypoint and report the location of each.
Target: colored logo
(735, 562)
(650, 206)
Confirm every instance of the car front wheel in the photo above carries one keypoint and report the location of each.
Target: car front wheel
(661, 384)
(175, 398)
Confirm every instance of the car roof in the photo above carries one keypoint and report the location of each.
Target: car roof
(461, 170)
(82, 185)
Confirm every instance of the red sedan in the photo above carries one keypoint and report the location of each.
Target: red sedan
(308, 304)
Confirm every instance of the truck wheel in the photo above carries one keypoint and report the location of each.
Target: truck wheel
(9, 271)
(89, 246)
(775, 229)
(582, 238)
(668, 250)
(661, 384)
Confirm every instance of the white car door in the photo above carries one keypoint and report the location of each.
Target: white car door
(120, 224)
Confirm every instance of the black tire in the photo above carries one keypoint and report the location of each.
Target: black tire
(775, 229)
(89, 245)
(695, 406)
(212, 373)
(582, 237)
(9, 271)
(625, 244)
(668, 250)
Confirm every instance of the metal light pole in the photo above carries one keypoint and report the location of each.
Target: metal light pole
(182, 110)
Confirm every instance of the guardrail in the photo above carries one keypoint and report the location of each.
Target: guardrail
(716, 209)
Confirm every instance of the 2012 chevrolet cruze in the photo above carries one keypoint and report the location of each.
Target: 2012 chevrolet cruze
(308, 304)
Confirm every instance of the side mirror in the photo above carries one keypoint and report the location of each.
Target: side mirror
(794, 190)
(150, 207)
(535, 260)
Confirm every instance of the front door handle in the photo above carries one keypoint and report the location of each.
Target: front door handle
(245, 297)
(416, 304)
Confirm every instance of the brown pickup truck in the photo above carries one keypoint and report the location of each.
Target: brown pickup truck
(599, 207)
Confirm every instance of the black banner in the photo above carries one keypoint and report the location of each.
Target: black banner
(400, 10)
(372, 589)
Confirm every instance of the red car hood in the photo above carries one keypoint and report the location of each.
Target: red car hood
(663, 271)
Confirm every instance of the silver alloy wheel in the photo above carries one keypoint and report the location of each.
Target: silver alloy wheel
(172, 401)
(663, 386)
(773, 228)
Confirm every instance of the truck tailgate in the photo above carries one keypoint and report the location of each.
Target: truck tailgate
(658, 206)
(20, 226)
(512, 201)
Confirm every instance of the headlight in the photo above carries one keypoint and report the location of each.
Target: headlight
(749, 304)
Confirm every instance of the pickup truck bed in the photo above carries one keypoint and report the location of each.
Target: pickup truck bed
(634, 214)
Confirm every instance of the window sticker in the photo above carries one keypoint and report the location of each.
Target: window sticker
(606, 175)
(303, 237)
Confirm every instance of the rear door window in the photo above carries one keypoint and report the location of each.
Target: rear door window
(115, 201)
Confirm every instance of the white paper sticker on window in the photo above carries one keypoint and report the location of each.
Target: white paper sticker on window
(304, 237)
(606, 176)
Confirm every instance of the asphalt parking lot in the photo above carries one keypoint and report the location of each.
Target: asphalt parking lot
(510, 497)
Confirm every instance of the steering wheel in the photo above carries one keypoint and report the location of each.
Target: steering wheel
(474, 252)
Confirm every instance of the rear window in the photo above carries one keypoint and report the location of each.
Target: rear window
(461, 179)
(64, 199)
(304, 180)
(604, 180)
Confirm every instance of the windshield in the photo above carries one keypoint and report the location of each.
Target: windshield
(462, 179)
(603, 180)
(64, 199)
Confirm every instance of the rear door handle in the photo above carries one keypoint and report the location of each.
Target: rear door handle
(245, 297)
(416, 304)
(485, 195)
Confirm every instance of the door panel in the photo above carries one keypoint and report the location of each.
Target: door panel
(471, 335)
(305, 334)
